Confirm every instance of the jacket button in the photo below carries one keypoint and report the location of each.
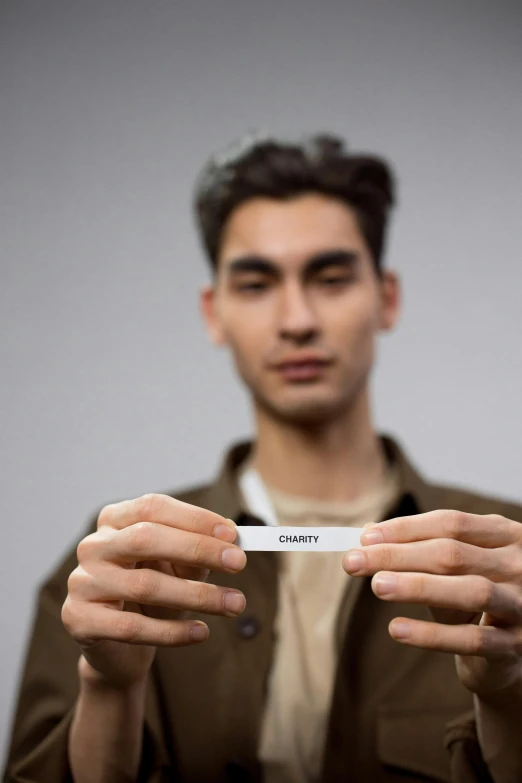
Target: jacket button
(248, 627)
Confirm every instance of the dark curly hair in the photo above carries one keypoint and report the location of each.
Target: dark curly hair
(282, 170)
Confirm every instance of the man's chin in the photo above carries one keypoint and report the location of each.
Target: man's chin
(304, 412)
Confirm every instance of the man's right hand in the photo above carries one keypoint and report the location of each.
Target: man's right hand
(153, 550)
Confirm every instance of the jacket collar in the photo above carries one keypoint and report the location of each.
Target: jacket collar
(224, 497)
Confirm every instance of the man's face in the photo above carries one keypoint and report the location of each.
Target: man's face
(297, 300)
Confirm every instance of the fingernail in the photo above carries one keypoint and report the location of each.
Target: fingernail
(354, 561)
(372, 537)
(234, 602)
(400, 630)
(199, 632)
(233, 558)
(385, 583)
(225, 532)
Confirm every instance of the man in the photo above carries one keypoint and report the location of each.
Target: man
(160, 652)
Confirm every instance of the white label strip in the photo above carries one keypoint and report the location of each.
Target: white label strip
(261, 538)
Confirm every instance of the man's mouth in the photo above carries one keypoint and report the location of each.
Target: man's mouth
(303, 369)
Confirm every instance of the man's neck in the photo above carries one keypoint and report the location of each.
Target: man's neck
(339, 461)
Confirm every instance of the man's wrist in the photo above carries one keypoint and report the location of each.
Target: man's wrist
(92, 680)
(105, 739)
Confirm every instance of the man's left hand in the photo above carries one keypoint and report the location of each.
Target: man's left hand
(451, 560)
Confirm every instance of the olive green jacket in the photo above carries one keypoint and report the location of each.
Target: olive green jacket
(399, 714)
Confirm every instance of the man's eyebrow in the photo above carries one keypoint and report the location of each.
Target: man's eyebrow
(253, 264)
(315, 264)
(344, 258)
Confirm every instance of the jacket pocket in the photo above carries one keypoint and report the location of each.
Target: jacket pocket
(413, 740)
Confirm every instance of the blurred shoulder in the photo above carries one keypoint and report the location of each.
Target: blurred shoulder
(472, 502)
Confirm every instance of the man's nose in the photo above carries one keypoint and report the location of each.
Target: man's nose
(297, 319)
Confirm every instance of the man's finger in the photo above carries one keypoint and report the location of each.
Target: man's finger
(486, 641)
(471, 594)
(484, 530)
(153, 588)
(435, 556)
(165, 510)
(147, 541)
(102, 623)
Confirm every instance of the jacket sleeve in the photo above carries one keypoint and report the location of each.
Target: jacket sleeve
(466, 761)
(38, 751)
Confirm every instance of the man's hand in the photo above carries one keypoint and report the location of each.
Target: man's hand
(451, 560)
(157, 551)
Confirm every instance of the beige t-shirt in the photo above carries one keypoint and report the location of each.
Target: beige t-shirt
(312, 586)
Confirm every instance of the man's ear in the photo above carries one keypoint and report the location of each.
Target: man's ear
(390, 288)
(207, 304)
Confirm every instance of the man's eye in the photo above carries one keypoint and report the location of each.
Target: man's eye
(332, 281)
(253, 286)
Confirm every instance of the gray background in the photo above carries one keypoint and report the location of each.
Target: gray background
(107, 110)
